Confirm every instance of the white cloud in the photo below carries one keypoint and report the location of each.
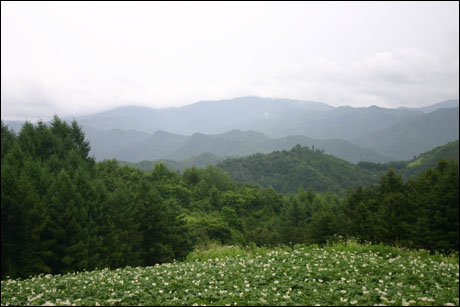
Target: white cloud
(75, 58)
(391, 78)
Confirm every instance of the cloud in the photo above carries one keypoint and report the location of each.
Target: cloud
(399, 77)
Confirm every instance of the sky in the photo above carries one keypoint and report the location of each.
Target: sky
(77, 58)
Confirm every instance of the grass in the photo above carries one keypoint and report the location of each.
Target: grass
(345, 273)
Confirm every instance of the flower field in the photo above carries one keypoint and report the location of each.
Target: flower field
(344, 274)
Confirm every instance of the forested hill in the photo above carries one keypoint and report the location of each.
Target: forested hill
(63, 212)
(420, 163)
(287, 171)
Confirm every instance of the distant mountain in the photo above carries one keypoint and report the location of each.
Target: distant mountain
(377, 134)
(272, 117)
(343, 122)
(199, 161)
(139, 146)
(287, 171)
(448, 104)
(412, 137)
(424, 161)
(208, 117)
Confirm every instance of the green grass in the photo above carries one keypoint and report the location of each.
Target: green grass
(345, 273)
(416, 162)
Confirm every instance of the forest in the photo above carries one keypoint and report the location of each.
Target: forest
(64, 212)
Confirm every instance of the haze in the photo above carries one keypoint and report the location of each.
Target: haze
(75, 58)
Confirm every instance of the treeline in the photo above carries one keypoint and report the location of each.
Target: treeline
(63, 212)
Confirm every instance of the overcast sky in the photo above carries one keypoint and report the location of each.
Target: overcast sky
(73, 58)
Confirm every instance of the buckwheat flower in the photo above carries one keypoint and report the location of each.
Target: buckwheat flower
(353, 302)
(343, 291)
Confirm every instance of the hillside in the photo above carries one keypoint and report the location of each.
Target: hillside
(199, 161)
(211, 117)
(229, 275)
(404, 140)
(134, 146)
(248, 125)
(424, 161)
(287, 171)
(447, 104)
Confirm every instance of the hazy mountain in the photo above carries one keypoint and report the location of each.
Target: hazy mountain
(202, 117)
(448, 104)
(343, 122)
(199, 161)
(164, 145)
(138, 133)
(107, 143)
(272, 117)
(412, 137)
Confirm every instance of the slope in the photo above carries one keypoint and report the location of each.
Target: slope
(287, 171)
(406, 139)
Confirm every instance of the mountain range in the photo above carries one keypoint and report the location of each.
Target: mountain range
(287, 171)
(247, 125)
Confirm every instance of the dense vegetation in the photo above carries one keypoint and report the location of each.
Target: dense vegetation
(63, 212)
(300, 167)
(348, 274)
(424, 161)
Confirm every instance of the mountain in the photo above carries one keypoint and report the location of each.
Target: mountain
(412, 168)
(135, 146)
(209, 117)
(287, 171)
(343, 122)
(447, 104)
(430, 158)
(272, 117)
(354, 134)
(199, 161)
(412, 137)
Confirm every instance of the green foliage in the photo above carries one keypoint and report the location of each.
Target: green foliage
(62, 212)
(301, 167)
(425, 161)
(420, 213)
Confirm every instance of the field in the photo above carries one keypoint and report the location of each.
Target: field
(343, 274)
